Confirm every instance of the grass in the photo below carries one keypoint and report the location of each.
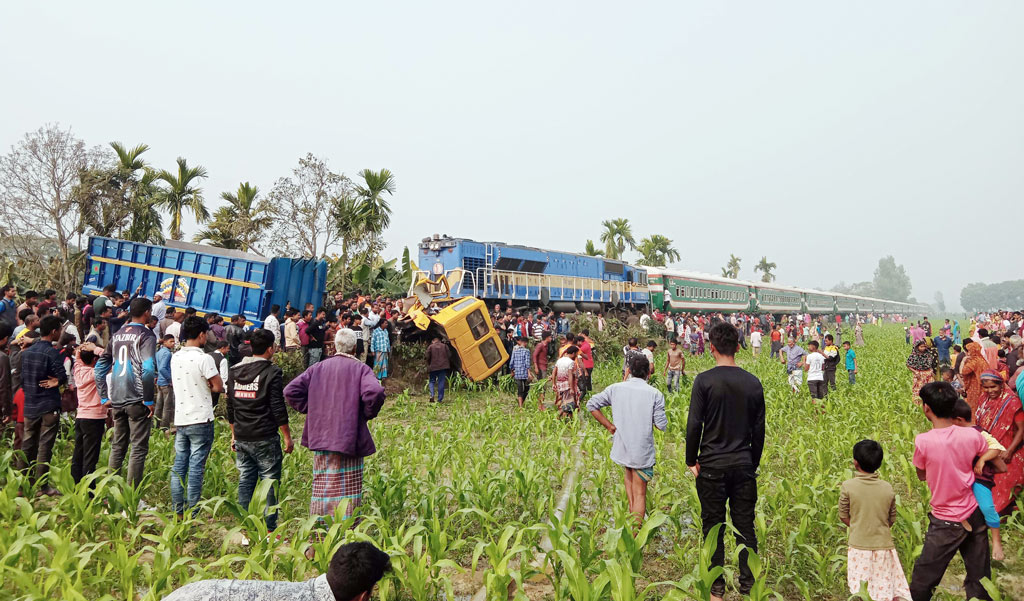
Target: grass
(461, 495)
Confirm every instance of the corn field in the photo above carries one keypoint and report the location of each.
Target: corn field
(477, 499)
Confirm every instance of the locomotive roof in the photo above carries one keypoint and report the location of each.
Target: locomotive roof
(533, 248)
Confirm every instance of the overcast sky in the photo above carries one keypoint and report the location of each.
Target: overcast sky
(821, 134)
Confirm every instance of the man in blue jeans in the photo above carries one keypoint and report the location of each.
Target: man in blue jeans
(256, 412)
(195, 377)
(724, 443)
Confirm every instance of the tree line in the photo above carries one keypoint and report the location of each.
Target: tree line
(992, 297)
(55, 192)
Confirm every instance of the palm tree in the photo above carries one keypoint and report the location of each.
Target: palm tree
(375, 209)
(220, 231)
(250, 218)
(732, 268)
(352, 222)
(657, 250)
(766, 270)
(590, 250)
(146, 225)
(616, 235)
(129, 159)
(109, 196)
(180, 195)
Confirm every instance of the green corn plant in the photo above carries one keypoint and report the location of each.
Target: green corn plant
(760, 590)
(622, 583)
(574, 583)
(500, 576)
(623, 544)
(697, 584)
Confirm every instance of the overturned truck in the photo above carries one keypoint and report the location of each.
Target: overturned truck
(463, 323)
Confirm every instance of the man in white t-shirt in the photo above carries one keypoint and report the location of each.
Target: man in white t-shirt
(174, 329)
(159, 307)
(195, 378)
(814, 365)
(649, 353)
(755, 342)
(274, 325)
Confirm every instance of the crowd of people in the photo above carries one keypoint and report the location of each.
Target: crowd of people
(971, 459)
(146, 367)
(143, 367)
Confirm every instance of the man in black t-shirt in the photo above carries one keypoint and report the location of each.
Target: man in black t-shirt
(724, 442)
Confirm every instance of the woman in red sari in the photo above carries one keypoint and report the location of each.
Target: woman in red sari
(1001, 415)
(970, 373)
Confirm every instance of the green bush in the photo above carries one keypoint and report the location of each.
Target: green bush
(290, 363)
(607, 345)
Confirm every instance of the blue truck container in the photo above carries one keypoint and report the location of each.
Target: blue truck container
(209, 279)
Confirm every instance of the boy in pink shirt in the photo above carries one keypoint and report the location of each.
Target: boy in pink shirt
(91, 419)
(944, 457)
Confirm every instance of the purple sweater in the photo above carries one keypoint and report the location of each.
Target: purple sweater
(338, 395)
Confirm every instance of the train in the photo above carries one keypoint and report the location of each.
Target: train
(524, 276)
(207, 278)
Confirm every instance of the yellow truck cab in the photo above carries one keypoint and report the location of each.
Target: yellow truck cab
(467, 326)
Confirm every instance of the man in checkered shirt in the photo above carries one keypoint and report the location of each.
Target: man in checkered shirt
(520, 366)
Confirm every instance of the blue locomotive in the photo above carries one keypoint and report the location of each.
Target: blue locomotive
(524, 276)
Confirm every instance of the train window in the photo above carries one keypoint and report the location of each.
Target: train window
(489, 351)
(613, 268)
(477, 324)
(507, 264)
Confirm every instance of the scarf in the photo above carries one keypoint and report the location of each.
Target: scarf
(921, 360)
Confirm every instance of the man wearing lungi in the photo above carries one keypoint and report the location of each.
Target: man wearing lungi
(338, 395)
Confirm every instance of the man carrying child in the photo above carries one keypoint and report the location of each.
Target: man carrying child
(945, 458)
